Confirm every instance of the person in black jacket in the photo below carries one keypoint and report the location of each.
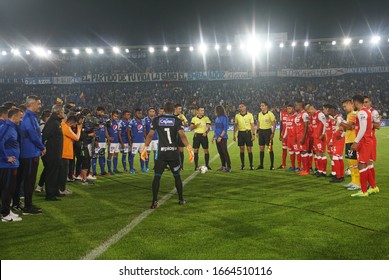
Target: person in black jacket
(53, 140)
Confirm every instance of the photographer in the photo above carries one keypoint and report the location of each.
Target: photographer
(85, 147)
(102, 135)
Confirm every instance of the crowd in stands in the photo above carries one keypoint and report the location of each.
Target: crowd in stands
(275, 91)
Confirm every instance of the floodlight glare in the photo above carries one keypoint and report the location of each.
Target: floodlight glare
(191, 48)
(100, 51)
(151, 50)
(306, 44)
(89, 50)
(229, 48)
(49, 52)
(76, 51)
(203, 48)
(3, 53)
(127, 50)
(294, 44)
(63, 51)
(268, 45)
(333, 43)
(116, 50)
(165, 48)
(347, 41)
(242, 46)
(360, 41)
(282, 45)
(375, 39)
(28, 52)
(15, 52)
(178, 49)
(217, 47)
(39, 51)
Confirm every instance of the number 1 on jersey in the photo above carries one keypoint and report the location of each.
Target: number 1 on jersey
(169, 138)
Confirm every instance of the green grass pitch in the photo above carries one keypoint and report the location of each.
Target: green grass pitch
(259, 214)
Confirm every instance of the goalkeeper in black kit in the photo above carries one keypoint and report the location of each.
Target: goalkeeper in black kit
(169, 129)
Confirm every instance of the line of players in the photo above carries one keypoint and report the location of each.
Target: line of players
(307, 132)
(127, 136)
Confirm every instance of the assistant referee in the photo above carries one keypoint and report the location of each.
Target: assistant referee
(265, 133)
(244, 124)
(201, 125)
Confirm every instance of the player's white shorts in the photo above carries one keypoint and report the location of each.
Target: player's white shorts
(153, 145)
(125, 149)
(102, 145)
(114, 148)
(137, 147)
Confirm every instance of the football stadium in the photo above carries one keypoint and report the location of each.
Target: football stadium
(265, 146)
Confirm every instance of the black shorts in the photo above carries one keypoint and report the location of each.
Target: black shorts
(264, 137)
(199, 139)
(180, 144)
(244, 138)
(349, 153)
(160, 165)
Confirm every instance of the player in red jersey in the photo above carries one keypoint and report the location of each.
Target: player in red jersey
(310, 139)
(363, 145)
(301, 124)
(337, 142)
(376, 125)
(289, 137)
(283, 116)
(318, 121)
(329, 125)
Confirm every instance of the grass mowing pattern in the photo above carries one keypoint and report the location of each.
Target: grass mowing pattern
(257, 214)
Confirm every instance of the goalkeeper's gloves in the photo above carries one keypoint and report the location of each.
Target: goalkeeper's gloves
(190, 151)
(144, 155)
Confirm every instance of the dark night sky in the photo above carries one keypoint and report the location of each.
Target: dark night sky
(68, 23)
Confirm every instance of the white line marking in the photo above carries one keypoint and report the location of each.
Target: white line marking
(95, 253)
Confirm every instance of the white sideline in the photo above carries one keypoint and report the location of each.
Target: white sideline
(128, 228)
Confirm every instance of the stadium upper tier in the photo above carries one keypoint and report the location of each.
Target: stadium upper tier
(314, 56)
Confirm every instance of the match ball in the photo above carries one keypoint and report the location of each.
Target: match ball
(203, 169)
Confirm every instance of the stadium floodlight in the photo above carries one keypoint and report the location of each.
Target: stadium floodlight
(28, 52)
(203, 48)
(282, 45)
(151, 50)
(229, 47)
(333, 43)
(63, 51)
(191, 48)
(89, 50)
(242, 46)
(39, 51)
(360, 41)
(178, 49)
(347, 41)
(15, 52)
(268, 45)
(306, 44)
(49, 52)
(3, 53)
(76, 51)
(100, 51)
(116, 50)
(294, 44)
(127, 50)
(388, 40)
(217, 47)
(165, 48)
(375, 39)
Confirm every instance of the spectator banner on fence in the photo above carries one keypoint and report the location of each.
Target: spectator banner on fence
(311, 72)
